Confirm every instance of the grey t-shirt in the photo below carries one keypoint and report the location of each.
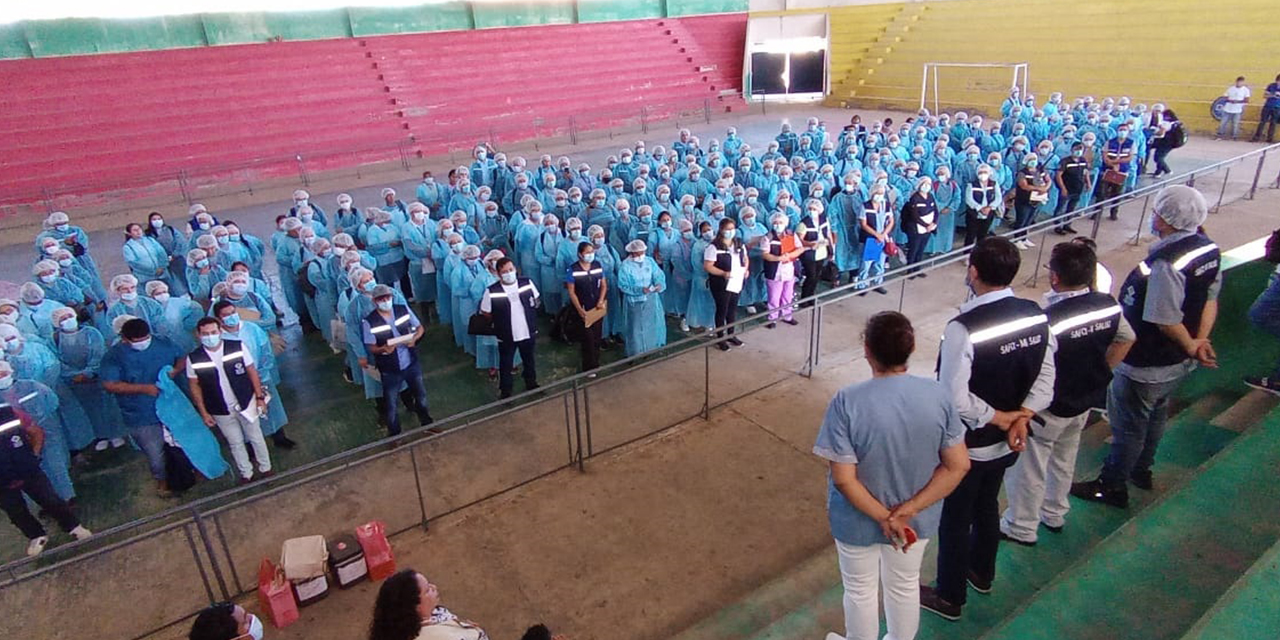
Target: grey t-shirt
(893, 428)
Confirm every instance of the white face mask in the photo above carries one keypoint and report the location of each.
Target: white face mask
(162, 298)
(508, 277)
(255, 627)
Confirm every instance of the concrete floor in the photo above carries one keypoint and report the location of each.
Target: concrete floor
(659, 534)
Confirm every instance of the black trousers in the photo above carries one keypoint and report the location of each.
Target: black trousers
(590, 345)
(36, 487)
(969, 532)
(1110, 191)
(975, 228)
(812, 270)
(506, 362)
(726, 303)
(915, 246)
(1268, 119)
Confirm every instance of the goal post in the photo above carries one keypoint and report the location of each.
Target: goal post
(980, 76)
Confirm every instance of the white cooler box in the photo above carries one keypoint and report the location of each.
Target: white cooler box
(304, 560)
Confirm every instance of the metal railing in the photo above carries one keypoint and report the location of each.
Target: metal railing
(191, 184)
(209, 550)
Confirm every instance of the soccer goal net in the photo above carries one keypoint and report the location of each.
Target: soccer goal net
(970, 85)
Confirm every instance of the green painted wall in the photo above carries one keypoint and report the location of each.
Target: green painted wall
(523, 14)
(94, 35)
(73, 36)
(245, 28)
(607, 10)
(436, 17)
(698, 7)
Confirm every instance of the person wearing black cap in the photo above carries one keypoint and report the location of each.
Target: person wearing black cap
(391, 334)
(1093, 337)
(1171, 299)
(996, 360)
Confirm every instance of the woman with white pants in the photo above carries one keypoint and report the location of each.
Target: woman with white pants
(895, 446)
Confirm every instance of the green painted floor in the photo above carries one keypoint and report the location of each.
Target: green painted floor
(1250, 610)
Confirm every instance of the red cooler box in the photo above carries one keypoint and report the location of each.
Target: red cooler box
(377, 550)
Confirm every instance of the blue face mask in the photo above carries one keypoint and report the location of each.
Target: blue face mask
(368, 286)
(588, 258)
(232, 320)
(211, 341)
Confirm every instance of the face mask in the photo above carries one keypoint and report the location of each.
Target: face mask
(708, 236)
(552, 229)
(129, 296)
(588, 258)
(1122, 135)
(69, 324)
(239, 288)
(456, 248)
(911, 173)
(202, 263)
(156, 224)
(665, 224)
(385, 305)
(727, 234)
(211, 341)
(65, 263)
(574, 234)
(232, 320)
(637, 259)
(749, 221)
(687, 235)
(877, 199)
(508, 277)
(51, 249)
(306, 218)
(204, 226)
(480, 155)
(752, 200)
(162, 298)
(1031, 164)
(599, 242)
(6, 382)
(222, 240)
(62, 227)
(983, 176)
(141, 346)
(1078, 153)
(995, 162)
(49, 278)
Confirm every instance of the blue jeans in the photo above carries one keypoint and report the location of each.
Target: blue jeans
(1265, 312)
(1139, 413)
(150, 438)
(411, 376)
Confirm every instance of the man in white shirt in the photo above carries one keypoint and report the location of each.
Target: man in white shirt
(229, 395)
(512, 303)
(1237, 97)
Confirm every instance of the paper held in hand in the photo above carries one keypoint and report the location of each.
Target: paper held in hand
(399, 340)
(594, 315)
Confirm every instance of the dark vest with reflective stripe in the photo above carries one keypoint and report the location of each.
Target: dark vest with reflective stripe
(500, 308)
(1009, 339)
(17, 460)
(586, 284)
(1084, 326)
(774, 249)
(237, 376)
(381, 329)
(985, 195)
(725, 257)
(1198, 259)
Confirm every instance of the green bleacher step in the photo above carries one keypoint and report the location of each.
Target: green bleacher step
(1157, 575)
(1250, 609)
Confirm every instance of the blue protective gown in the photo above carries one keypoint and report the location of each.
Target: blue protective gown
(178, 323)
(40, 317)
(233, 252)
(147, 260)
(486, 346)
(615, 321)
(346, 221)
(38, 362)
(256, 303)
(843, 214)
(64, 291)
(550, 281)
(357, 308)
(440, 254)
(142, 307)
(71, 233)
(646, 320)
(417, 241)
(289, 258)
(702, 307)
(80, 354)
(950, 199)
(323, 275)
(174, 244)
(753, 290)
(464, 306)
(200, 283)
(674, 251)
(41, 403)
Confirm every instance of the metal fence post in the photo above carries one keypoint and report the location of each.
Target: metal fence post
(1097, 221)
(195, 555)
(573, 130)
(1191, 182)
(817, 341)
(186, 188)
(404, 155)
(902, 295)
(706, 382)
(813, 338)
(706, 109)
(1223, 191)
(1142, 217)
(47, 197)
(1257, 175)
(417, 482)
(586, 408)
(302, 170)
(208, 549)
(577, 427)
(644, 119)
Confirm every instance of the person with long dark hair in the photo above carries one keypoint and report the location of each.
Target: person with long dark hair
(726, 263)
(408, 608)
(1165, 141)
(225, 621)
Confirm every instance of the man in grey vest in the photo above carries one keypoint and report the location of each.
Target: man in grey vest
(1171, 299)
(1092, 337)
(996, 361)
(226, 390)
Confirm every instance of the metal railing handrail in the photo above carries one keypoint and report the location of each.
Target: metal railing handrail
(561, 389)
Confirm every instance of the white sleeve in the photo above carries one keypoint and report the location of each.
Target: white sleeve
(485, 305)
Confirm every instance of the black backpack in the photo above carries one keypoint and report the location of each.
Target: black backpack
(1177, 135)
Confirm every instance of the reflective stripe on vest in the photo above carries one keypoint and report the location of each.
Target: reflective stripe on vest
(1007, 328)
(12, 424)
(1084, 318)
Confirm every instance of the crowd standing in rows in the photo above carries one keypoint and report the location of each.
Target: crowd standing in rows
(689, 234)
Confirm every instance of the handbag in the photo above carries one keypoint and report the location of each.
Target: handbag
(891, 249)
(1111, 176)
(481, 325)
(275, 595)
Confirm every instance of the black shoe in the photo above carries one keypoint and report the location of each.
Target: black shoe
(723, 346)
(1070, 229)
(1097, 491)
(978, 584)
(1142, 480)
(863, 293)
(771, 325)
(1052, 529)
(924, 274)
(346, 375)
(425, 419)
(504, 395)
(1062, 231)
(735, 342)
(284, 442)
(791, 321)
(1008, 538)
(1264, 383)
(1112, 216)
(882, 291)
(933, 603)
(531, 387)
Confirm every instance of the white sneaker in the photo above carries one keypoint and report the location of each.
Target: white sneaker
(684, 325)
(834, 636)
(36, 546)
(116, 443)
(751, 309)
(1022, 246)
(80, 533)
(1029, 243)
(101, 445)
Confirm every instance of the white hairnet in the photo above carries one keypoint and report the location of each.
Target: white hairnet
(388, 191)
(196, 209)
(358, 274)
(58, 217)
(1182, 207)
(154, 286)
(238, 276)
(123, 280)
(118, 323)
(636, 246)
(301, 194)
(207, 241)
(344, 198)
(9, 331)
(31, 293)
(343, 240)
(43, 266)
(550, 220)
(5, 367)
(594, 229)
(416, 207)
(471, 252)
(193, 256)
(493, 255)
(291, 223)
(380, 216)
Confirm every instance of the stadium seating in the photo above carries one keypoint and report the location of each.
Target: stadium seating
(80, 123)
(1180, 52)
